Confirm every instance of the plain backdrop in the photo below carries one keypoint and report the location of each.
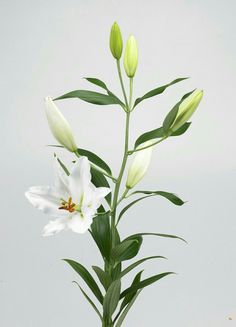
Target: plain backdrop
(46, 49)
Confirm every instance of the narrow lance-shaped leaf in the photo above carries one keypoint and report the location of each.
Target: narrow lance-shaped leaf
(139, 262)
(91, 97)
(125, 312)
(156, 234)
(157, 90)
(87, 277)
(104, 277)
(111, 298)
(130, 295)
(169, 196)
(144, 283)
(100, 230)
(101, 84)
(95, 159)
(160, 133)
(126, 249)
(89, 300)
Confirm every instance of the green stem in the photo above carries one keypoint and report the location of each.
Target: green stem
(123, 195)
(121, 83)
(119, 179)
(125, 157)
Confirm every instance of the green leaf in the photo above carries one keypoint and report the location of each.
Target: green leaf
(159, 133)
(126, 249)
(111, 298)
(170, 118)
(156, 234)
(125, 312)
(131, 295)
(137, 263)
(89, 300)
(97, 82)
(101, 84)
(63, 166)
(104, 277)
(99, 180)
(95, 159)
(169, 196)
(154, 134)
(157, 91)
(87, 277)
(91, 97)
(129, 206)
(143, 283)
(181, 130)
(100, 230)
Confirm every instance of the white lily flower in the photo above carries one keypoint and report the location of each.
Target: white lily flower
(139, 165)
(59, 126)
(73, 199)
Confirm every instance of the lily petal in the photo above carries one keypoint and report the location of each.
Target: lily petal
(79, 224)
(55, 226)
(79, 178)
(46, 199)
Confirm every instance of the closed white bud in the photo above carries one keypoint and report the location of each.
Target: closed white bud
(139, 165)
(59, 126)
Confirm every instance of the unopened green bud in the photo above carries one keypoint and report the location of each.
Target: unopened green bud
(116, 42)
(186, 109)
(131, 56)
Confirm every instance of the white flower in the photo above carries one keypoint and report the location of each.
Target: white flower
(139, 165)
(59, 126)
(73, 199)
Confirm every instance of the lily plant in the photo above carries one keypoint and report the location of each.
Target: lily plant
(88, 197)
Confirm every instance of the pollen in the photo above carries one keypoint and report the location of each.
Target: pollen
(67, 205)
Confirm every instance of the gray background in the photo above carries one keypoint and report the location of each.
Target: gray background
(46, 48)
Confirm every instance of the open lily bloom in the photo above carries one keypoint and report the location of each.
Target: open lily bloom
(73, 199)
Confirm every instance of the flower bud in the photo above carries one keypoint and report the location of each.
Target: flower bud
(139, 165)
(131, 57)
(116, 42)
(59, 126)
(186, 109)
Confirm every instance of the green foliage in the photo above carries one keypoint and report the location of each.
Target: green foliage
(99, 180)
(157, 90)
(160, 133)
(170, 118)
(169, 196)
(130, 295)
(87, 277)
(104, 277)
(111, 299)
(95, 159)
(139, 262)
(89, 300)
(156, 234)
(101, 233)
(126, 310)
(101, 84)
(91, 97)
(126, 249)
(144, 283)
